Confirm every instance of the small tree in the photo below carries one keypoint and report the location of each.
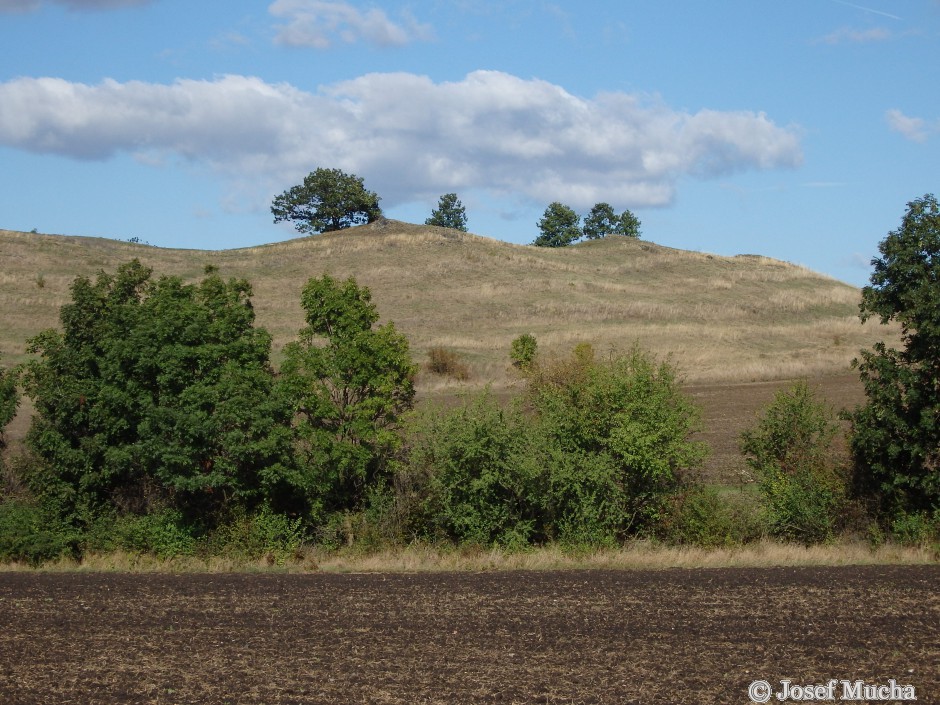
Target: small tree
(348, 384)
(328, 199)
(896, 434)
(602, 221)
(449, 213)
(559, 226)
(522, 351)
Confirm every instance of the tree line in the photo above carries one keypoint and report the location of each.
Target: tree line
(161, 425)
(330, 200)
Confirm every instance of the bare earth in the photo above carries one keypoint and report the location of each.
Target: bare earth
(672, 636)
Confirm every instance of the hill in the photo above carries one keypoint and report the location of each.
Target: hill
(737, 318)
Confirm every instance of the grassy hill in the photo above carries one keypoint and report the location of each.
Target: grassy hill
(721, 318)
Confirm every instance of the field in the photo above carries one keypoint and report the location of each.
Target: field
(669, 636)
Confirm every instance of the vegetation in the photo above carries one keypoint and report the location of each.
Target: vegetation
(450, 213)
(347, 384)
(162, 428)
(155, 395)
(603, 221)
(896, 434)
(447, 363)
(328, 199)
(790, 453)
(558, 227)
(523, 350)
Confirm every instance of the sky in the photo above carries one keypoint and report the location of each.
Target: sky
(795, 129)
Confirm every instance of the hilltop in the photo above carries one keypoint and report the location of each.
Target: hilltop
(737, 318)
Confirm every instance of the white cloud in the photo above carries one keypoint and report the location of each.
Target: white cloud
(409, 137)
(320, 24)
(913, 128)
(30, 5)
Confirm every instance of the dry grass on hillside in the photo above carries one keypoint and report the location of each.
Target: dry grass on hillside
(720, 318)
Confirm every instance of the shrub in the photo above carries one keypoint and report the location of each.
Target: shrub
(480, 487)
(630, 417)
(29, 534)
(163, 534)
(447, 363)
(702, 516)
(522, 351)
(790, 451)
(262, 534)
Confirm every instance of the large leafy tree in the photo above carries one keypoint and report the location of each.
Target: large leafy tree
(328, 199)
(559, 226)
(603, 221)
(450, 213)
(896, 439)
(348, 382)
(156, 394)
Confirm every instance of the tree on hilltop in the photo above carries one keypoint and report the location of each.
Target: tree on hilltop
(327, 200)
(603, 221)
(559, 226)
(450, 213)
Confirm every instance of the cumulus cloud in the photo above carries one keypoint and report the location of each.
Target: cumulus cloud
(408, 136)
(913, 128)
(30, 5)
(321, 23)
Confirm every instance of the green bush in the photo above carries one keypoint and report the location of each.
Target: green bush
(262, 534)
(163, 534)
(915, 529)
(595, 456)
(703, 516)
(790, 451)
(478, 471)
(522, 351)
(30, 535)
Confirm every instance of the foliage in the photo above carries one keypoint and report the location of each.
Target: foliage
(347, 383)
(523, 350)
(328, 199)
(29, 534)
(165, 534)
(703, 516)
(442, 361)
(624, 425)
(9, 401)
(896, 434)
(594, 458)
(450, 213)
(481, 487)
(603, 221)
(261, 534)
(156, 394)
(559, 226)
(790, 452)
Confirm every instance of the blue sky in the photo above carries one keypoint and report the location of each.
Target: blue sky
(797, 129)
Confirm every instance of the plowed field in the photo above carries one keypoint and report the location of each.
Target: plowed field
(671, 636)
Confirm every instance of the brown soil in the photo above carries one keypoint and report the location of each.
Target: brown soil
(672, 636)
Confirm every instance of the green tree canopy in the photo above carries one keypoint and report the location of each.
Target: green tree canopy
(450, 213)
(9, 400)
(348, 383)
(328, 199)
(156, 394)
(603, 221)
(559, 226)
(896, 439)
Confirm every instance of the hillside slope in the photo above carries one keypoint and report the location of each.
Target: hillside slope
(721, 318)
